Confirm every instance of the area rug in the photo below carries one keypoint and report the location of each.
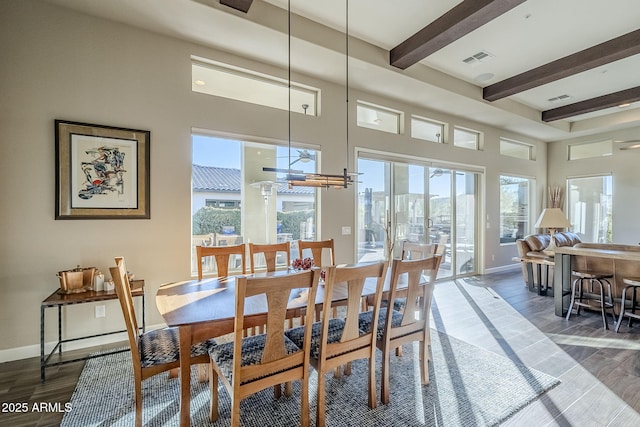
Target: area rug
(468, 386)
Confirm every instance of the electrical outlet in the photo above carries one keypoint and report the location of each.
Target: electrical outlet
(101, 311)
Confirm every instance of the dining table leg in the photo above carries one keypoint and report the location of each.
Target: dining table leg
(185, 375)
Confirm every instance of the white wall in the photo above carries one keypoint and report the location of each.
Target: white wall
(58, 64)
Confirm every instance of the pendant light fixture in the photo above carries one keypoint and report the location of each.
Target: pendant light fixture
(297, 178)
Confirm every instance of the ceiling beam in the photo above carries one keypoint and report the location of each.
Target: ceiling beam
(456, 23)
(626, 96)
(241, 5)
(601, 54)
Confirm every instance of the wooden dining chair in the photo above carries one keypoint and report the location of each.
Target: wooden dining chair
(316, 248)
(336, 341)
(154, 351)
(418, 250)
(270, 253)
(396, 328)
(248, 365)
(222, 255)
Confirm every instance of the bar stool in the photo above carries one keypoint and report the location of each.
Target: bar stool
(634, 285)
(579, 299)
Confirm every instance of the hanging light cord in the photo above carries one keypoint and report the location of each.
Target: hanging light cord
(347, 76)
(289, 77)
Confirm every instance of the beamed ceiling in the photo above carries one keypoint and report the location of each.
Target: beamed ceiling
(547, 69)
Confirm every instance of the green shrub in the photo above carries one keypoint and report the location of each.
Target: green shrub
(211, 220)
(291, 221)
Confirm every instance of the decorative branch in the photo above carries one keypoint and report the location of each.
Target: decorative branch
(555, 196)
(390, 241)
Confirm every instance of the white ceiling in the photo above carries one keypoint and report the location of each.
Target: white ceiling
(532, 34)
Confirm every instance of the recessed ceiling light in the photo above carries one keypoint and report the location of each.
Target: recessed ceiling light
(624, 105)
(200, 82)
(484, 77)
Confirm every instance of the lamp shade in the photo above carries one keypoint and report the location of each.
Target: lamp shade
(552, 218)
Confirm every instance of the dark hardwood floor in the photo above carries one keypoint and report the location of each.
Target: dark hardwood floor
(599, 370)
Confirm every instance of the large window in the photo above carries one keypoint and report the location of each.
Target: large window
(420, 203)
(589, 201)
(515, 197)
(234, 201)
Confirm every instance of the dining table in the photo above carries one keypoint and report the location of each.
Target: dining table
(204, 309)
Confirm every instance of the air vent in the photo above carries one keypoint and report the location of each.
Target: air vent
(559, 98)
(477, 58)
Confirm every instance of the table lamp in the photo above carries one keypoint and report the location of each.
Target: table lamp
(552, 218)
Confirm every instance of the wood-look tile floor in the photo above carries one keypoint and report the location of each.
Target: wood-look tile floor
(599, 370)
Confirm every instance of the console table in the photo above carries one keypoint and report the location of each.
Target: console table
(60, 300)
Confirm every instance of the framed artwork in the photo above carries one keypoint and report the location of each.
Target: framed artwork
(102, 172)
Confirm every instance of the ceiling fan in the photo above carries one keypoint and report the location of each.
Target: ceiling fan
(635, 144)
(305, 156)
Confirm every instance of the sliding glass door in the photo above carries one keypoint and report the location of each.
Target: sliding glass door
(400, 201)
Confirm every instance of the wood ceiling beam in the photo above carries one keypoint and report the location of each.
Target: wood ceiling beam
(601, 54)
(241, 5)
(626, 96)
(456, 23)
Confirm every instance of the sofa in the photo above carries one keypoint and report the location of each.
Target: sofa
(534, 246)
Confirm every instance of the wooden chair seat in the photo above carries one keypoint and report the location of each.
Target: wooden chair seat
(335, 330)
(365, 321)
(160, 346)
(251, 354)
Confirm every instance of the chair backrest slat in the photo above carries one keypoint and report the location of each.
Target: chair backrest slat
(270, 252)
(418, 250)
(222, 255)
(352, 279)
(316, 248)
(419, 277)
(277, 290)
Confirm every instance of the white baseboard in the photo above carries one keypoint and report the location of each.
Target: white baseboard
(502, 268)
(29, 351)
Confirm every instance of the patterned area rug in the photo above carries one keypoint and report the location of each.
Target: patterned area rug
(468, 386)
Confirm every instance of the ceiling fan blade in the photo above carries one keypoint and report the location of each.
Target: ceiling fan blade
(631, 147)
